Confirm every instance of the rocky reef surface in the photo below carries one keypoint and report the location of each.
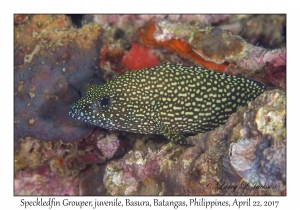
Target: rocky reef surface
(248, 152)
(55, 62)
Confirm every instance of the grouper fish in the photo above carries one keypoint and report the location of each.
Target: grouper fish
(169, 99)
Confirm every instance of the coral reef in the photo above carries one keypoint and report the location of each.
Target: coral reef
(65, 159)
(216, 49)
(108, 146)
(90, 185)
(19, 18)
(44, 182)
(267, 30)
(137, 20)
(189, 40)
(123, 177)
(54, 64)
(217, 163)
(265, 146)
(52, 163)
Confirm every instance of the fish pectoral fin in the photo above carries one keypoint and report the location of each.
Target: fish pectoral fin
(173, 135)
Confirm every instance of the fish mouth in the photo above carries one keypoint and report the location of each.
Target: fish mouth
(74, 114)
(78, 114)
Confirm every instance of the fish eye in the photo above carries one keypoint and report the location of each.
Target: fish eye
(104, 101)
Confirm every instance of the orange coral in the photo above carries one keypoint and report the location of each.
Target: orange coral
(184, 49)
(139, 57)
(111, 58)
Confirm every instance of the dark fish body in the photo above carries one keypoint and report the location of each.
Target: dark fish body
(169, 99)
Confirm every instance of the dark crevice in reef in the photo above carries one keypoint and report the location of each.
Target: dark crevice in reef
(76, 19)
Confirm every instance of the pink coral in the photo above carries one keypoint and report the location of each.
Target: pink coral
(276, 68)
(123, 177)
(44, 182)
(109, 145)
